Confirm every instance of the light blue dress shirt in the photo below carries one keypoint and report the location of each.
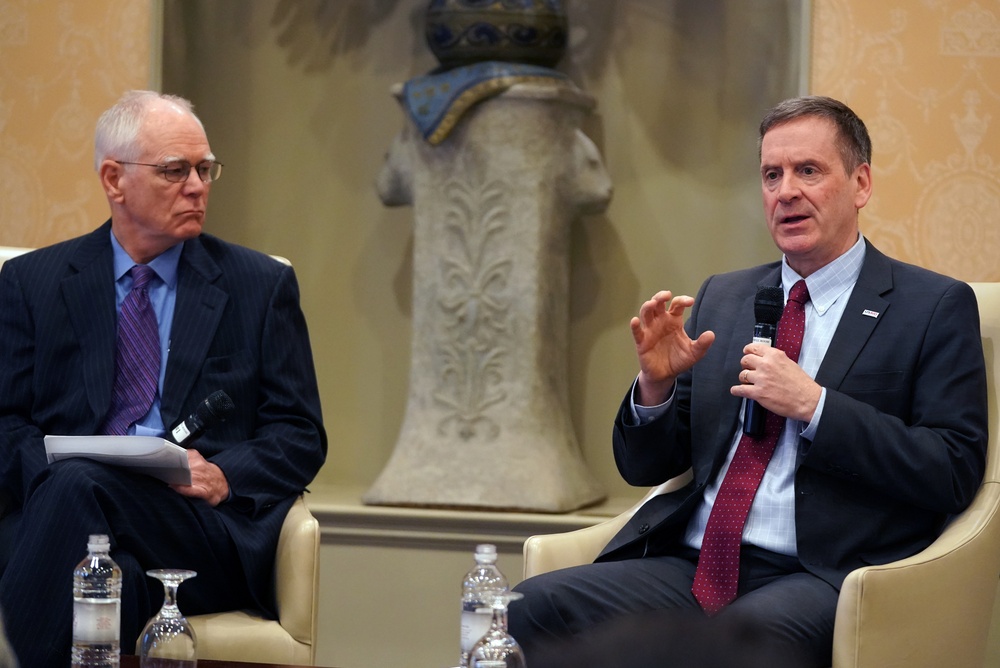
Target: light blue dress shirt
(163, 296)
(771, 521)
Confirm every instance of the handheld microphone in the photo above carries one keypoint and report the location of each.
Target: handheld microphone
(216, 407)
(767, 308)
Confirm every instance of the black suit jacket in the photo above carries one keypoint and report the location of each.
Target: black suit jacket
(901, 444)
(237, 327)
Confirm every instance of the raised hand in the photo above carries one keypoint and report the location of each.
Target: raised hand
(663, 347)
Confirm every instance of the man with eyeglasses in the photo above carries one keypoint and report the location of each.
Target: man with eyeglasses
(226, 318)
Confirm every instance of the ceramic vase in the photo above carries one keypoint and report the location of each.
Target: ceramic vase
(461, 32)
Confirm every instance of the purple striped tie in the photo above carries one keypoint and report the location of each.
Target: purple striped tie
(137, 362)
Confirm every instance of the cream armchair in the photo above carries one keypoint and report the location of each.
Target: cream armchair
(933, 609)
(242, 635)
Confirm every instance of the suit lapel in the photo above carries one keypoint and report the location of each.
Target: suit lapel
(199, 308)
(89, 294)
(729, 406)
(864, 310)
(722, 421)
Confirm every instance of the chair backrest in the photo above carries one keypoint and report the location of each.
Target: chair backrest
(7, 252)
(988, 296)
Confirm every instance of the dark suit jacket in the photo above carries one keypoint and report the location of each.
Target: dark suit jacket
(902, 440)
(237, 327)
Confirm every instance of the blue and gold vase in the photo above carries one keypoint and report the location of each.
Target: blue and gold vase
(461, 32)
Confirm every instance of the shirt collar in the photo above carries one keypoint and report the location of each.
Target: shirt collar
(165, 264)
(828, 283)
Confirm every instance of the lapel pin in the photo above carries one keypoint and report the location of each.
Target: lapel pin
(870, 313)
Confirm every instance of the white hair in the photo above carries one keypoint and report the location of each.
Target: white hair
(118, 127)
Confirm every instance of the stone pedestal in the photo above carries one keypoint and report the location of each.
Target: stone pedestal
(487, 419)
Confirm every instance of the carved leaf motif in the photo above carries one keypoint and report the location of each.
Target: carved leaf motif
(474, 304)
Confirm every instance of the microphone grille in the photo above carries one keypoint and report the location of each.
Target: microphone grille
(768, 304)
(217, 406)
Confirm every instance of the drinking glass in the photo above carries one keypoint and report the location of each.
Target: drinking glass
(168, 640)
(497, 648)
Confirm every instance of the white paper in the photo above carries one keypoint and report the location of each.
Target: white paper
(144, 454)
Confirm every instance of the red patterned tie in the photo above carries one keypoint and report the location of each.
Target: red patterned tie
(715, 580)
(137, 361)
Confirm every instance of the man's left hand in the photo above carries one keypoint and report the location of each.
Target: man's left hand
(208, 482)
(777, 383)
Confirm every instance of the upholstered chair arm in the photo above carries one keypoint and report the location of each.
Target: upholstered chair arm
(910, 604)
(297, 569)
(573, 548)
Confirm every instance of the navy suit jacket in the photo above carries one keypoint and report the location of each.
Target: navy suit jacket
(902, 440)
(237, 327)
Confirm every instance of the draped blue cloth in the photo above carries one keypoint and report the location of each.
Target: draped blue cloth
(437, 101)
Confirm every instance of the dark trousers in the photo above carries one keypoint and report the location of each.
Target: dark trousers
(640, 612)
(150, 526)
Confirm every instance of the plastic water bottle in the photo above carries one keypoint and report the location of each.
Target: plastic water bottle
(97, 601)
(477, 607)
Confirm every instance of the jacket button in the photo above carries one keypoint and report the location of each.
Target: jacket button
(643, 529)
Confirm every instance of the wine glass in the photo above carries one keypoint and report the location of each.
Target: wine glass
(168, 640)
(497, 648)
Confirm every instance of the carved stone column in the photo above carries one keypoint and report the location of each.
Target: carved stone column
(487, 420)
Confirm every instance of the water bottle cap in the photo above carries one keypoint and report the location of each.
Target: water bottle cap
(98, 542)
(486, 554)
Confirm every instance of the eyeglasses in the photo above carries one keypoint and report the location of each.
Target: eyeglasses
(179, 171)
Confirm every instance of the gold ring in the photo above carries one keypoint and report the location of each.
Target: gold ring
(744, 376)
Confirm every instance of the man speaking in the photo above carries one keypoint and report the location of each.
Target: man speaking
(875, 433)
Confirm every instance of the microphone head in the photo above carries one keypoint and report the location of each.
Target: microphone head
(217, 406)
(768, 304)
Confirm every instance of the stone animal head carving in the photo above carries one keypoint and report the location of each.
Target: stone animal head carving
(394, 183)
(586, 185)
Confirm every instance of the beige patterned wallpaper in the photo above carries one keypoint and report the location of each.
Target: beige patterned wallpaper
(923, 73)
(925, 76)
(61, 63)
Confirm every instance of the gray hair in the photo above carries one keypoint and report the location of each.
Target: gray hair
(118, 127)
(854, 144)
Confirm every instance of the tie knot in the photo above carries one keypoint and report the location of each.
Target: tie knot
(799, 292)
(141, 276)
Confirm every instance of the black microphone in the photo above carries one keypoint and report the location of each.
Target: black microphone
(767, 308)
(215, 408)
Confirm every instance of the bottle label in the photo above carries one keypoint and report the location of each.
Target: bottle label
(475, 623)
(96, 620)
